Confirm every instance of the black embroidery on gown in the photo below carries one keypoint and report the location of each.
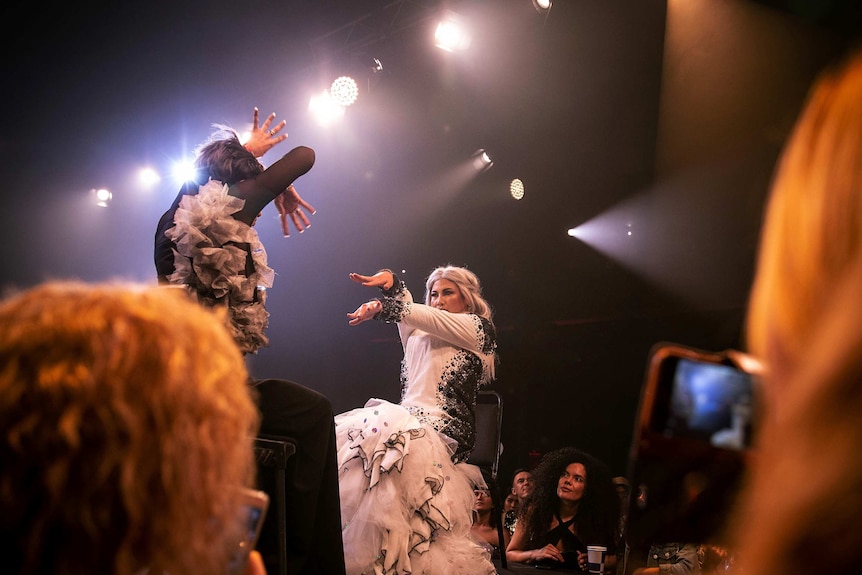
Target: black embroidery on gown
(459, 382)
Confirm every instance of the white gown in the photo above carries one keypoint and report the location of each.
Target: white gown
(406, 493)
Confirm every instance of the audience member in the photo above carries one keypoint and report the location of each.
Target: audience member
(406, 491)
(522, 486)
(509, 516)
(671, 559)
(573, 505)
(623, 488)
(206, 241)
(799, 510)
(486, 522)
(126, 429)
(621, 484)
(510, 503)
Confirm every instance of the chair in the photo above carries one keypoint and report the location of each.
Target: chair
(272, 454)
(486, 452)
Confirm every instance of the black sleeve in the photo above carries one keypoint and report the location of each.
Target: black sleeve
(163, 253)
(262, 189)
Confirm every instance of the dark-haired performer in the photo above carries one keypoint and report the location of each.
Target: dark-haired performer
(206, 241)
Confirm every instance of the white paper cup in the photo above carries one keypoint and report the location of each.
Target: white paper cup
(596, 558)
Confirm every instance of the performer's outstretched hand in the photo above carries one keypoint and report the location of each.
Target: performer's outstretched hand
(263, 138)
(383, 279)
(365, 312)
(290, 203)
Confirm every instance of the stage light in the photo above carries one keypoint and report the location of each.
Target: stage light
(325, 109)
(451, 35)
(590, 231)
(516, 188)
(344, 91)
(482, 160)
(103, 197)
(542, 6)
(184, 171)
(148, 177)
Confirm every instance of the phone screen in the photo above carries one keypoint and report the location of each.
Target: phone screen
(254, 519)
(252, 514)
(710, 402)
(693, 437)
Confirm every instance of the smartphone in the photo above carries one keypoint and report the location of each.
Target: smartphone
(693, 438)
(252, 512)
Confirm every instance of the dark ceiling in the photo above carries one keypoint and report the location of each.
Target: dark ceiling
(602, 108)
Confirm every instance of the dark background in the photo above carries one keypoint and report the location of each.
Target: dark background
(663, 118)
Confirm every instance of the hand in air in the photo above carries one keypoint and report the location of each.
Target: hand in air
(263, 138)
(383, 278)
(365, 312)
(289, 203)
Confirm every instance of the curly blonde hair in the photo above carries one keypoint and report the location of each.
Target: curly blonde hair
(126, 428)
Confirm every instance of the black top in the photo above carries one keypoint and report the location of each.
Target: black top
(257, 193)
(567, 542)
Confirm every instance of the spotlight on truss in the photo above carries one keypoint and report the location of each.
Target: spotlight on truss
(148, 177)
(482, 160)
(325, 109)
(516, 188)
(344, 90)
(542, 6)
(451, 35)
(102, 196)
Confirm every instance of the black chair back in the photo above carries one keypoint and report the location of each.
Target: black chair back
(486, 453)
(273, 455)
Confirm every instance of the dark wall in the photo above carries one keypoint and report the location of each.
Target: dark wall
(733, 77)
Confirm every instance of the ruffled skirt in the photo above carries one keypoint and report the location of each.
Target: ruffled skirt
(405, 507)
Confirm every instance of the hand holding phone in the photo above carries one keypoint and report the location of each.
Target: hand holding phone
(254, 564)
(693, 436)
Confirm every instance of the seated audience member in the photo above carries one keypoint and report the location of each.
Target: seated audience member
(126, 428)
(522, 483)
(671, 559)
(621, 484)
(206, 241)
(522, 486)
(799, 510)
(485, 523)
(572, 505)
(510, 505)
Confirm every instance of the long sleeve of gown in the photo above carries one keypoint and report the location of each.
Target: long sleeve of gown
(464, 330)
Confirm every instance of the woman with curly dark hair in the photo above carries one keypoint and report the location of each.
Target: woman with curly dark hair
(573, 504)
